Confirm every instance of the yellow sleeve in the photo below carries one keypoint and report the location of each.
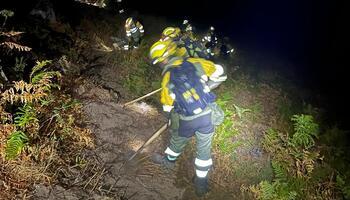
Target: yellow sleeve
(181, 52)
(139, 25)
(165, 97)
(207, 66)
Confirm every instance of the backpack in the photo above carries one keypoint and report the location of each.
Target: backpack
(192, 95)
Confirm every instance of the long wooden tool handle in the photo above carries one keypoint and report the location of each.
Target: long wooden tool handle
(138, 99)
(154, 136)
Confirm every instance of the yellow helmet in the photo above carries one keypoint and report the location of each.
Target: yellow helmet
(162, 50)
(170, 32)
(129, 22)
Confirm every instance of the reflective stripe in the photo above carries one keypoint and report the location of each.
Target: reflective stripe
(171, 158)
(197, 111)
(206, 89)
(155, 62)
(203, 163)
(158, 47)
(218, 79)
(167, 108)
(219, 70)
(142, 30)
(171, 152)
(133, 30)
(166, 54)
(201, 174)
(173, 96)
(204, 77)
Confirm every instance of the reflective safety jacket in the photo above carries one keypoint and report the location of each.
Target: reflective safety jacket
(188, 47)
(195, 48)
(210, 73)
(210, 42)
(134, 28)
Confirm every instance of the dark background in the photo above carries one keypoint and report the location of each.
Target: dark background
(309, 34)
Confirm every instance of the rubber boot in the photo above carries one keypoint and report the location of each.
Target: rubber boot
(201, 185)
(163, 161)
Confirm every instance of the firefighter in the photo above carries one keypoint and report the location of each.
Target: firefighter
(187, 96)
(210, 41)
(134, 32)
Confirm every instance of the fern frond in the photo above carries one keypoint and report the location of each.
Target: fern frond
(240, 111)
(12, 45)
(11, 33)
(271, 141)
(267, 190)
(39, 66)
(25, 116)
(305, 131)
(23, 92)
(6, 13)
(4, 116)
(15, 144)
(279, 171)
(292, 195)
(44, 78)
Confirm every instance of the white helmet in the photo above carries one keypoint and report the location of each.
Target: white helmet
(185, 21)
(212, 28)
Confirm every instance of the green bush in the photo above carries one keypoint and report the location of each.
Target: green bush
(294, 162)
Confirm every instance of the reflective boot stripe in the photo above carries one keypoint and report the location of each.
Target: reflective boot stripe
(203, 163)
(171, 158)
(171, 152)
(201, 174)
